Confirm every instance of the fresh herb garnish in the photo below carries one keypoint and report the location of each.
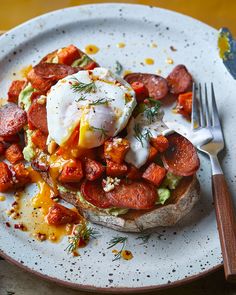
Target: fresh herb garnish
(153, 110)
(118, 240)
(82, 98)
(79, 86)
(145, 238)
(81, 233)
(100, 101)
(118, 68)
(139, 135)
(103, 131)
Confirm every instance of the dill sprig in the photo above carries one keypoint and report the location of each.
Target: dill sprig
(139, 135)
(103, 131)
(118, 68)
(147, 135)
(79, 86)
(145, 238)
(99, 101)
(82, 232)
(118, 240)
(153, 110)
(82, 98)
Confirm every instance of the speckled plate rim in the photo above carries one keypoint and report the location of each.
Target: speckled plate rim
(91, 288)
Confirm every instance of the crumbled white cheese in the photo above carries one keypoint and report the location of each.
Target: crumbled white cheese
(110, 183)
(42, 99)
(115, 143)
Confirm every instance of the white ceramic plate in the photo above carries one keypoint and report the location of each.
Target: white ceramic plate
(182, 252)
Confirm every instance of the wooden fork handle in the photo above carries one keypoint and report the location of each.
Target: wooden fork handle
(226, 224)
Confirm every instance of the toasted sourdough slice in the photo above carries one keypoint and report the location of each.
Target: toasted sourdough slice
(42, 77)
(182, 200)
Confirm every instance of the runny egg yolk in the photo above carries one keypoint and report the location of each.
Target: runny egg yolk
(43, 198)
(33, 212)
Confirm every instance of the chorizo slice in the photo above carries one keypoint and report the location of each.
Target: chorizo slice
(44, 75)
(93, 192)
(37, 116)
(181, 157)
(179, 80)
(12, 119)
(156, 85)
(137, 194)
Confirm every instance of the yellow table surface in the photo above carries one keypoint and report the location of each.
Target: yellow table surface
(216, 13)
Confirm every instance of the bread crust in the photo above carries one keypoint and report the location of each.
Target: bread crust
(182, 200)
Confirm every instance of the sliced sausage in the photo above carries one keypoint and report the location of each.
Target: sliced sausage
(44, 75)
(53, 71)
(12, 119)
(133, 195)
(10, 138)
(2, 148)
(181, 157)
(37, 116)
(157, 86)
(179, 80)
(93, 192)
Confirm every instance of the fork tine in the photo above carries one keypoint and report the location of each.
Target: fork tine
(202, 119)
(215, 114)
(194, 115)
(208, 118)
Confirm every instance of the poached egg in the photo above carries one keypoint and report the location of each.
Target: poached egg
(140, 129)
(97, 101)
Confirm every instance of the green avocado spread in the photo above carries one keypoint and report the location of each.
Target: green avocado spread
(110, 211)
(29, 150)
(171, 181)
(24, 97)
(81, 62)
(163, 195)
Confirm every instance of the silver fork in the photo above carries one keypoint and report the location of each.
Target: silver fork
(205, 115)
